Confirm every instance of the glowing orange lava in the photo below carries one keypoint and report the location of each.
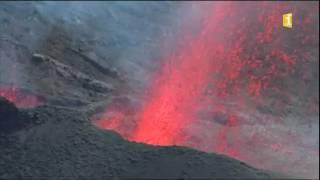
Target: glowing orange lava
(20, 98)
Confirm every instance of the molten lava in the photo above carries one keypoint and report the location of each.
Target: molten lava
(175, 94)
(21, 98)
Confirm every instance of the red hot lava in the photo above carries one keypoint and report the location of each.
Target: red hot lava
(178, 88)
(21, 98)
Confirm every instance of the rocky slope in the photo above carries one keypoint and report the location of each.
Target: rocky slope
(51, 142)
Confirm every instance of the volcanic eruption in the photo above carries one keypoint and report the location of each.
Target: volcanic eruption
(240, 60)
(217, 79)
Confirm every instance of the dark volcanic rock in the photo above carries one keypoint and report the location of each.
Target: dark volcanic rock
(67, 145)
(9, 118)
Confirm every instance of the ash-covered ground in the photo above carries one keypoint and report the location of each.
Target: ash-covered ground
(171, 73)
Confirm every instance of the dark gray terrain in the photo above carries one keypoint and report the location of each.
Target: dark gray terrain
(51, 142)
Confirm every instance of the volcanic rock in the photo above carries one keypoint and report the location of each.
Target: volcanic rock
(66, 144)
(70, 73)
(9, 118)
